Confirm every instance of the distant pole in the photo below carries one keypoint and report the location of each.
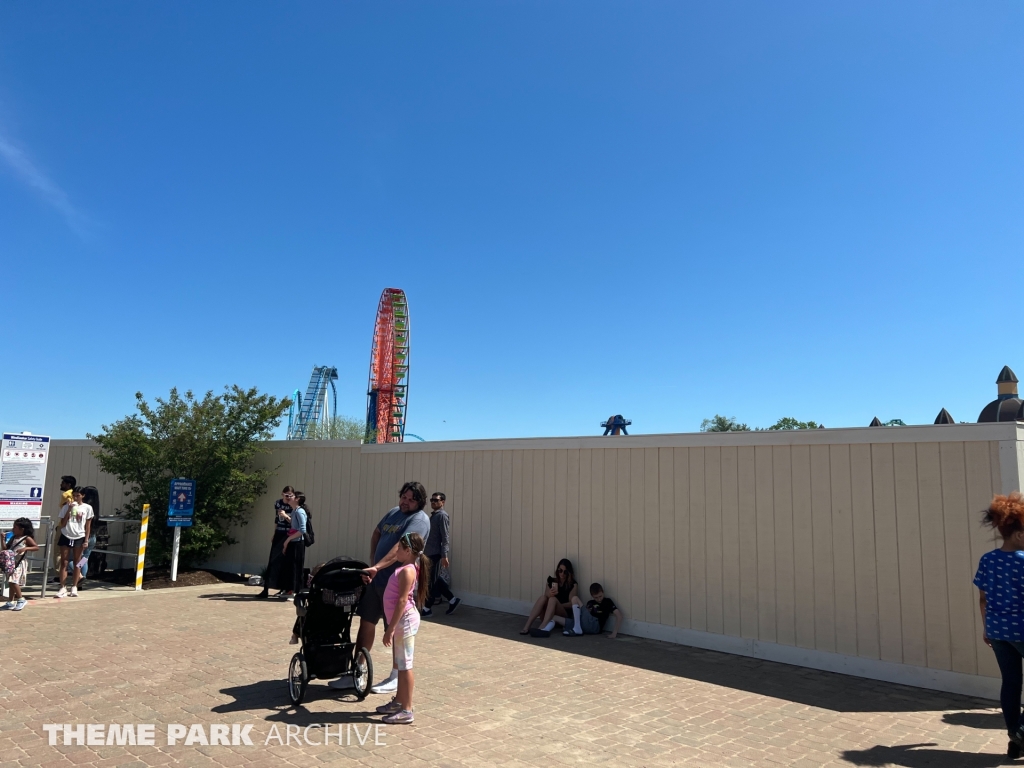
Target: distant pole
(174, 553)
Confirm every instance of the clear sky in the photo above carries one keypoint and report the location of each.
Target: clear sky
(664, 210)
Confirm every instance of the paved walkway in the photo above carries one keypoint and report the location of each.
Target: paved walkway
(212, 655)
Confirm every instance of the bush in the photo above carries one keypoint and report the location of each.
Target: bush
(212, 441)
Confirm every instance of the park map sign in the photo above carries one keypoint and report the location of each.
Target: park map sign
(23, 476)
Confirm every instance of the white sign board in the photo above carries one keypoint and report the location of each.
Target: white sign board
(22, 476)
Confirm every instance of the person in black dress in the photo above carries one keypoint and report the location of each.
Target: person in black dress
(279, 567)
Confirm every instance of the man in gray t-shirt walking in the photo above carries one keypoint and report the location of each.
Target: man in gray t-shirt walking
(438, 549)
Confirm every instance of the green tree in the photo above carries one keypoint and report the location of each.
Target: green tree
(894, 423)
(788, 422)
(722, 424)
(212, 441)
(337, 428)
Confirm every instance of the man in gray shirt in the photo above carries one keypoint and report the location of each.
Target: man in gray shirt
(438, 549)
(407, 517)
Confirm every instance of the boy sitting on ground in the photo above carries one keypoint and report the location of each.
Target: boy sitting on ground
(590, 620)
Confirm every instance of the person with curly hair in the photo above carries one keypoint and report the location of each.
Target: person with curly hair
(1000, 580)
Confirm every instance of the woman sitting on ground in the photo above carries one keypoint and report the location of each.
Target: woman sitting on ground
(555, 603)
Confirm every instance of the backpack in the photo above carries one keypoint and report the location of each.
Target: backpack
(309, 537)
(8, 562)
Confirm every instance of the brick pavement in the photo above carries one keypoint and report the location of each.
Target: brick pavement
(484, 696)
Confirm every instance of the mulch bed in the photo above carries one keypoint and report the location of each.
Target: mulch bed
(160, 578)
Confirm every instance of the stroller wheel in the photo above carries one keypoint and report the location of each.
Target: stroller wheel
(298, 679)
(362, 673)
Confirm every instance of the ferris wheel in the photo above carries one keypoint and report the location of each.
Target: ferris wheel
(388, 391)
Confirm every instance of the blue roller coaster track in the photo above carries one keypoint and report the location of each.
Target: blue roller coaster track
(306, 411)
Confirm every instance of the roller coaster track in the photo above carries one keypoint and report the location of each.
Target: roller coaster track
(312, 409)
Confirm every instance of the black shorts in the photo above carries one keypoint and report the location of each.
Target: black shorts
(64, 541)
(371, 605)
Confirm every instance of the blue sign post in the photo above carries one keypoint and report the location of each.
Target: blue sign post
(180, 506)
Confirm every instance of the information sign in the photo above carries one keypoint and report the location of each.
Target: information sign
(22, 476)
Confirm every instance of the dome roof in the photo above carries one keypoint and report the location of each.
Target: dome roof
(1001, 410)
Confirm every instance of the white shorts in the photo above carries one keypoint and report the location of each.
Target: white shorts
(20, 575)
(402, 647)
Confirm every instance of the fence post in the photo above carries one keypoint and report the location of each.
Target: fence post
(47, 555)
(141, 563)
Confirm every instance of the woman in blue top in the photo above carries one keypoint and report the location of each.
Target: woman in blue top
(296, 540)
(1000, 579)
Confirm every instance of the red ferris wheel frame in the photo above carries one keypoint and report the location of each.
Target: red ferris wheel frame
(388, 390)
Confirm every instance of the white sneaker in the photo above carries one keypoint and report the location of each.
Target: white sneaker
(20, 605)
(8, 606)
(387, 686)
(62, 593)
(74, 591)
(342, 683)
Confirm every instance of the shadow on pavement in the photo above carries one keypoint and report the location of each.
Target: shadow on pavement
(825, 690)
(913, 756)
(986, 720)
(273, 695)
(238, 597)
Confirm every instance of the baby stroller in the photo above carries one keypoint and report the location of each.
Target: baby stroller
(325, 612)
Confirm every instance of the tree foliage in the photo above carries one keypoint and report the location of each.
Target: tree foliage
(894, 423)
(730, 424)
(337, 428)
(788, 422)
(212, 441)
(723, 424)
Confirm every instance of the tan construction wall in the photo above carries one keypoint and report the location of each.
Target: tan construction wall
(844, 549)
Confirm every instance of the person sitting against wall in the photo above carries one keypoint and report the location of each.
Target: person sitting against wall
(590, 619)
(999, 578)
(555, 603)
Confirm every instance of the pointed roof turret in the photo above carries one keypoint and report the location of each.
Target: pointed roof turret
(876, 423)
(1007, 402)
(1006, 375)
(1006, 384)
(944, 417)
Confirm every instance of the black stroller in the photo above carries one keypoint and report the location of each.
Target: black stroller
(325, 612)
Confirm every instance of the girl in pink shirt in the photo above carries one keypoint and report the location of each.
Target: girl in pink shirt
(403, 598)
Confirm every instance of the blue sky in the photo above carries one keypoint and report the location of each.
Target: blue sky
(664, 210)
